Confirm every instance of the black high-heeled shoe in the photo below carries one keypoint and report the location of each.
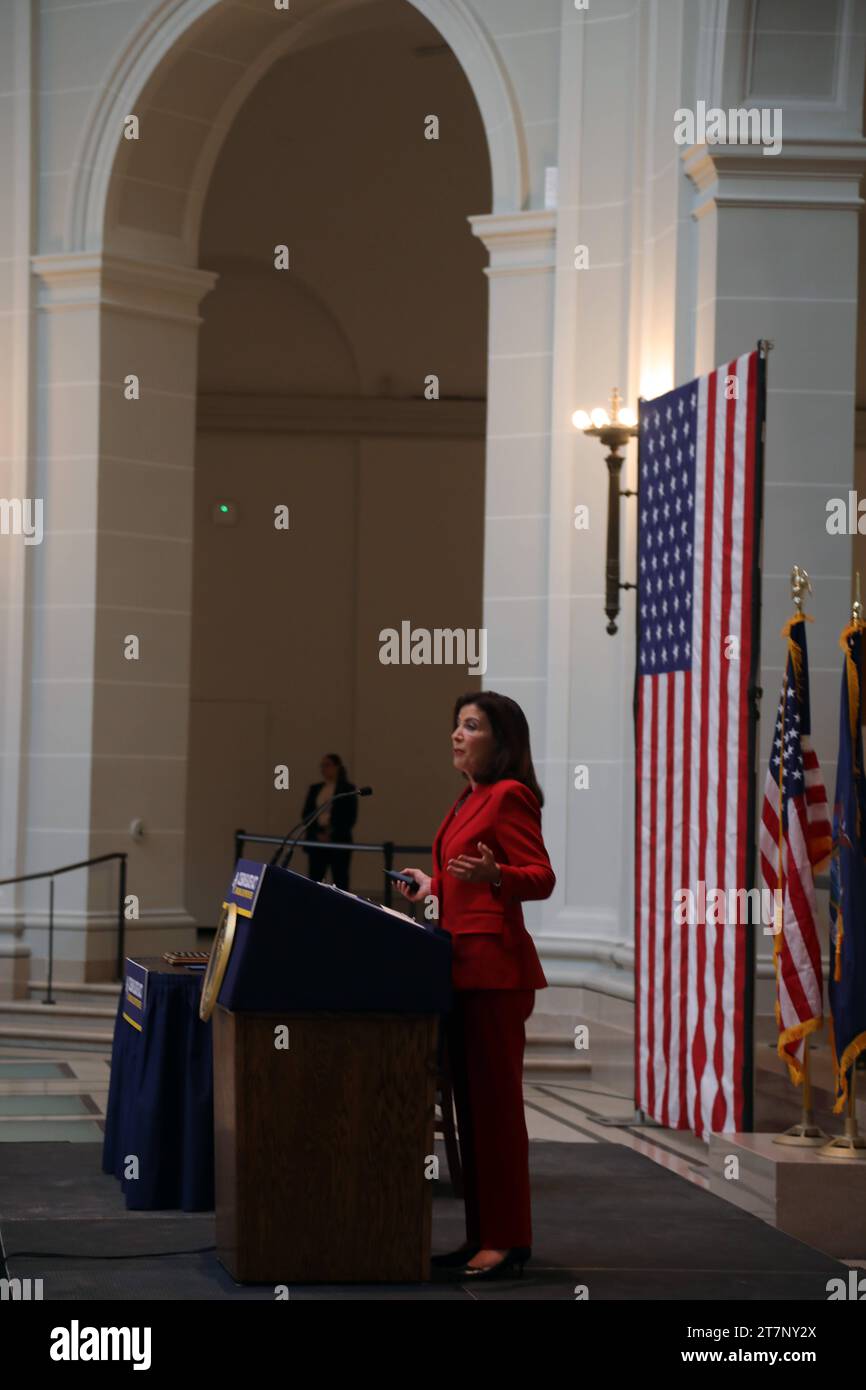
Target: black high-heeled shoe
(455, 1258)
(510, 1265)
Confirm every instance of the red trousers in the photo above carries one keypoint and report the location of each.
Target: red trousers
(485, 1037)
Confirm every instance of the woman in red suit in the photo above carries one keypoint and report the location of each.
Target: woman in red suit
(488, 857)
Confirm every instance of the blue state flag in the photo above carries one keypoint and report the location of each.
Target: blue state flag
(847, 982)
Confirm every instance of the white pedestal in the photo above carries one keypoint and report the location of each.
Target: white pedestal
(818, 1200)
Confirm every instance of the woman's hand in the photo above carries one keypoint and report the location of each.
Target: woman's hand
(424, 882)
(483, 870)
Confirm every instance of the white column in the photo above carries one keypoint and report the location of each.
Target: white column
(586, 932)
(18, 141)
(107, 735)
(778, 259)
(521, 246)
(517, 477)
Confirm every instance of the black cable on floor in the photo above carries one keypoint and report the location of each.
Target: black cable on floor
(70, 1255)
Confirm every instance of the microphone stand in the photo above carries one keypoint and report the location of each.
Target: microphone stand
(301, 827)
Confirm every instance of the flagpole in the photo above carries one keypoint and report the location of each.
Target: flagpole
(851, 1144)
(805, 1134)
(754, 695)
(640, 1119)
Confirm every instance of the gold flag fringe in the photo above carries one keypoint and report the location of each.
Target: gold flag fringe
(842, 1065)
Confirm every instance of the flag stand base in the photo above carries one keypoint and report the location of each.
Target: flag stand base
(851, 1144)
(847, 1145)
(806, 1134)
(636, 1121)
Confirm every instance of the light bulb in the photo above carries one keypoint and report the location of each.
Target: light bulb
(581, 420)
(600, 417)
(627, 417)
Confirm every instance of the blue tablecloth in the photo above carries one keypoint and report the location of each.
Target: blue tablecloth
(160, 1099)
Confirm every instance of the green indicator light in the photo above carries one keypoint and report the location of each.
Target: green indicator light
(223, 507)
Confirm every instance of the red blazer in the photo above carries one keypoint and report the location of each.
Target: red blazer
(491, 947)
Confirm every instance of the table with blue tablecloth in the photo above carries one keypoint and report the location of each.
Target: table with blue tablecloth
(160, 1099)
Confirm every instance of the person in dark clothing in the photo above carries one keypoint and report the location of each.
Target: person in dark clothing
(333, 825)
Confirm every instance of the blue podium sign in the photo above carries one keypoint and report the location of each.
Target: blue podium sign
(245, 886)
(134, 1000)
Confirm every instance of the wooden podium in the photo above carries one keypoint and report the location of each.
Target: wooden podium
(325, 1060)
(320, 1149)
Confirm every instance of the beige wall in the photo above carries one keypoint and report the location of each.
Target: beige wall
(311, 394)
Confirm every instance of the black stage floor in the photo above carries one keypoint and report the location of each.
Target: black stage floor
(603, 1216)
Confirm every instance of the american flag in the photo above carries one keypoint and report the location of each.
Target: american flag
(698, 529)
(796, 839)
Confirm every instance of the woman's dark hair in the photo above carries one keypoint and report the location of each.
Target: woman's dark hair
(342, 774)
(512, 756)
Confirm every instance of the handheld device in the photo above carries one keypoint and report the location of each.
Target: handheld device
(402, 878)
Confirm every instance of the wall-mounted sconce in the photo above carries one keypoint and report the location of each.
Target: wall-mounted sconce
(614, 429)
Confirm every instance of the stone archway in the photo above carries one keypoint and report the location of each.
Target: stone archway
(121, 301)
(157, 46)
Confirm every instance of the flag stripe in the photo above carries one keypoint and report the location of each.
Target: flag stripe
(640, 860)
(697, 577)
(747, 497)
(685, 936)
(697, 676)
(663, 962)
(656, 858)
(726, 634)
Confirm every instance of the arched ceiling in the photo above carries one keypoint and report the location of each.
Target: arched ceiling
(151, 190)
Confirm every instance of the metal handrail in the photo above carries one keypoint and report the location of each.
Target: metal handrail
(387, 848)
(51, 874)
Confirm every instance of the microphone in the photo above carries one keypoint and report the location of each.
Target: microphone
(302, 825)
